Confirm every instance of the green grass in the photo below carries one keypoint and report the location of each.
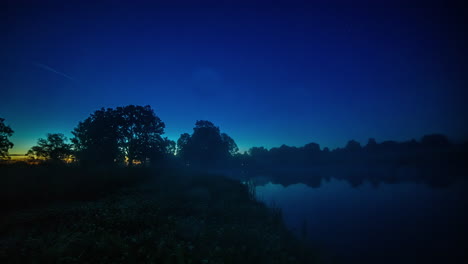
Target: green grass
(171, 217)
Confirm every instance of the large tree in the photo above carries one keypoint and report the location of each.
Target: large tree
(131, 133)
(5, 143)
(54, 148)
(96, 138)
(207, 146)
(139, 132)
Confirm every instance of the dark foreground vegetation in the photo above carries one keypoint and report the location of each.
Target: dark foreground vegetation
(163, 216)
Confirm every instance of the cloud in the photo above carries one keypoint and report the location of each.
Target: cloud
(50, 69)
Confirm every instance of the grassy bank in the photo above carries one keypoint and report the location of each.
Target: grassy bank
(23, 185)
(168, 217)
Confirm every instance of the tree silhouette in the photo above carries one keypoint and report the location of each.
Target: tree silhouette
(139, 132)
(260, 156)
(183, 144)
(169, 146)
(312, 148)
(353, 145)
(230, 144)
(207, 146)
(113, 135)
(96, 139)
(163, 155)
(5, 144)
(54, 148)
(258, 151)
(371, 144)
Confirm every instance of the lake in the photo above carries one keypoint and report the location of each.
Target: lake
(388, 223)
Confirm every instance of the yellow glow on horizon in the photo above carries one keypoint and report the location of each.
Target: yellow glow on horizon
(18, 157)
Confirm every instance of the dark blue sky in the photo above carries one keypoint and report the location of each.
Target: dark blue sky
(267, 74)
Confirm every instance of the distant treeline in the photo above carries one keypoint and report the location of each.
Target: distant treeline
(430, 147)
(133, 136)
(433, 160)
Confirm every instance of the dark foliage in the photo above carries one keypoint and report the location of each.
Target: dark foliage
(207, 147)
(96, 139)
(130, 133)
(5, 143)
(433, 160)
(53, 148)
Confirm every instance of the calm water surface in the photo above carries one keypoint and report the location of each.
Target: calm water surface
(391, 223)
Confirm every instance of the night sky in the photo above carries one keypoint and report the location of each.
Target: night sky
(266, 74)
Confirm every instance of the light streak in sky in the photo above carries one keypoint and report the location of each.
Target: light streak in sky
(50, 69)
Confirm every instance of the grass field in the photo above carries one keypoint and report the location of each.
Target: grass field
(139, 216)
